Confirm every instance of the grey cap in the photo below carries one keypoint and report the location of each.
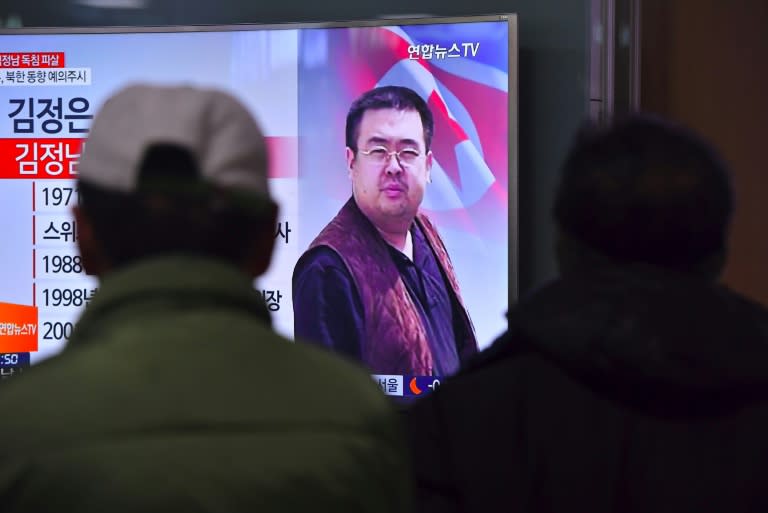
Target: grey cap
(227, 144)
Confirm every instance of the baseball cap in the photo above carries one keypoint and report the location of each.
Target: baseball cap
(227, 146)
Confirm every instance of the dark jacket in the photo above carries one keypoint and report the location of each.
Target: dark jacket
(635, 391)
(174, 394)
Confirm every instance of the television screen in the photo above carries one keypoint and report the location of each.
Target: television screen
(300, 82)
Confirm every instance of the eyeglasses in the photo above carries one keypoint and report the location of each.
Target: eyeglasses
(381, 155)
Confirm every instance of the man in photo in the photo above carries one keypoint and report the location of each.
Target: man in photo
(377, 283)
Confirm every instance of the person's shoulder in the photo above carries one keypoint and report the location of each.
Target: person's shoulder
(319, 259)
(493, 392)
(338, 389)
(741, 302)
(43, 402)
(83, 391)
(495, 385)
(321, 255)
(509, 353)
(424, 231)
(340, 377)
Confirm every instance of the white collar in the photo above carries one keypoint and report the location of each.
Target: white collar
(408, 249)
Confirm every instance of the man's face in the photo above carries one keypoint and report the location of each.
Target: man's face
(389, 189)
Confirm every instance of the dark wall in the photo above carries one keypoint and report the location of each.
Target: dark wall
(552, 76)
(704, 64)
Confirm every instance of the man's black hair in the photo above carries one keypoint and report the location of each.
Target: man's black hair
(173, 211)
(388, 97)
(646, 190)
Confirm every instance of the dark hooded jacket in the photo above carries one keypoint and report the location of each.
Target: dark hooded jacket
(617, 390)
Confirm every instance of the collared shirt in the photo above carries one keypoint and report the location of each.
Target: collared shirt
(328, 309)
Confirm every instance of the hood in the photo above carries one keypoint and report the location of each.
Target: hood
(649, 328)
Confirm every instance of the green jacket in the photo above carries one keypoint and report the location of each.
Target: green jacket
(174, 394)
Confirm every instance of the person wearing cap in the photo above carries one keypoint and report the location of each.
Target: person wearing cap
(377, 284)
(174, 393)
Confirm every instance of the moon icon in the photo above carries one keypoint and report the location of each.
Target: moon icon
(414, 388)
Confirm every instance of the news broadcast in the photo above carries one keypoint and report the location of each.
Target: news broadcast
(337, 103)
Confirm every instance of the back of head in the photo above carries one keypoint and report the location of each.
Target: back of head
(645, 190)
(174, 170)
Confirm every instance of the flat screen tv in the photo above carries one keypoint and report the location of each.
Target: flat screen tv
(299, 81)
